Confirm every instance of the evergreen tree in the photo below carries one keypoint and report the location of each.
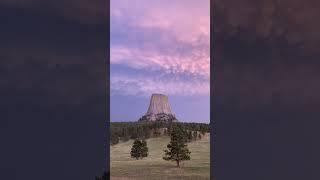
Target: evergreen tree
(140, 132)
(139, 149)
(195, 135)
(189, 136)
(177, 148)
(144, 149)
(147, 133)
(136, 149)
(125, 136)
(156, 132)
(203, 131)
(134, 133)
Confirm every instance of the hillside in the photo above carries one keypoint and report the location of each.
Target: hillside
(154, 167)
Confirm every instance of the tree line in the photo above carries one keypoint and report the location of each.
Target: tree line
(123, 131)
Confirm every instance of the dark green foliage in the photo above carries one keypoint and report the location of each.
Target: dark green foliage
(203, 130)
(136, 149)
(169, 129)
(156, 133)
(139, 149)
(133, 132)
(144, 149)
(125, 135)
(144, 130)
(195, 135)
(177, 148)
(189, 136)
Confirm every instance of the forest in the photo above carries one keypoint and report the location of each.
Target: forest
(123, 131)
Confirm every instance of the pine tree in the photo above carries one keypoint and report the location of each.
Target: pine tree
(195, 135)
(139, 149)
(125, 136)
(189, 136)
(147, 133)
(156, 132)
(177, 148)
(136, 149)
(144, 149)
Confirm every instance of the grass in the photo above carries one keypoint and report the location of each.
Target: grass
(123, 167)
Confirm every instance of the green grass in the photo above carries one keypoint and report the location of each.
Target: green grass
(123, 167)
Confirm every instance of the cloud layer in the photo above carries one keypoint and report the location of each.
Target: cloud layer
(163, 40)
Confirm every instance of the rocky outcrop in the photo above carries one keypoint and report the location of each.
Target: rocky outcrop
(159, 109)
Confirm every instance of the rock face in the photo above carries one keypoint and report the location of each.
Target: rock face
(159, 109)
(159, 104)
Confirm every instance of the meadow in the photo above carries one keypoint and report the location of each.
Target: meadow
(153, 167)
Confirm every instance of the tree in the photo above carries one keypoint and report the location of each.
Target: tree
(144, 149)
(140, 132)
(203, 131)
(133, 132)
(125, 136)
(189, 136)
(156, 132)
(139, 149)
(195, 135)
(177, 148)
(147, 132)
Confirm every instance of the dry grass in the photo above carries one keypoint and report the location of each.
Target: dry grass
(154, 167)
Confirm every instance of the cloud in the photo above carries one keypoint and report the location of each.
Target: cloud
(161, 37)
(196, 63)
(145, 86)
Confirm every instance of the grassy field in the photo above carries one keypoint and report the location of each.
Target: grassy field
(123, 167)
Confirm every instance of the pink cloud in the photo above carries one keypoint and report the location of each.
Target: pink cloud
(145, 86)
(180, 45)
(196, 63)
(187, 27)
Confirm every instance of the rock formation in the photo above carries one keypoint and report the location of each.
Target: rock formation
(159, 109)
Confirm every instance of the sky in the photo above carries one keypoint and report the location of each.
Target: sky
(266, 89)
(160, 47)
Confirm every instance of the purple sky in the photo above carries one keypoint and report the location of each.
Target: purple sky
(160, 47)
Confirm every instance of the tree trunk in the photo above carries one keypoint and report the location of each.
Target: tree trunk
(178, 165)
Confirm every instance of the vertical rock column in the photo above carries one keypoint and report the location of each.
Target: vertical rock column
(159, 103)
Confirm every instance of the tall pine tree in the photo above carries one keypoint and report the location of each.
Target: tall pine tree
(139, 149)
(144, 149)
(177, 148)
